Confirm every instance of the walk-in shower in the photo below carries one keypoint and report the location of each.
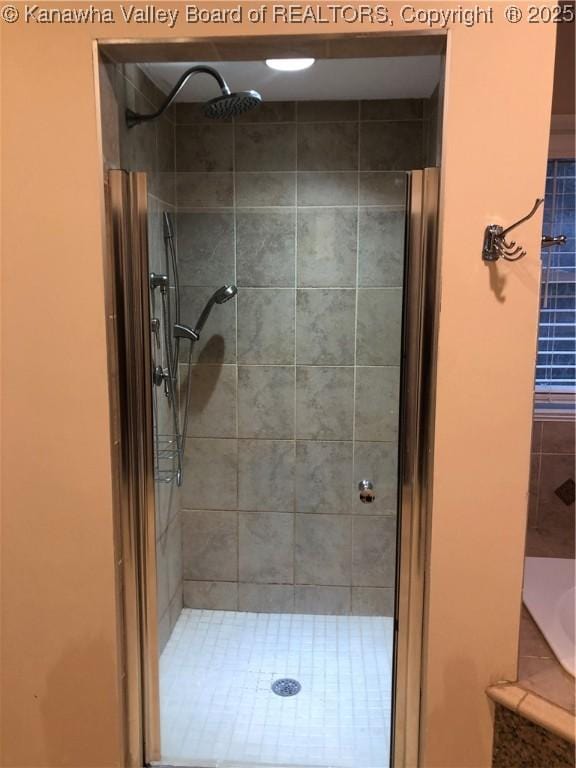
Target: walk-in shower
(286, 439)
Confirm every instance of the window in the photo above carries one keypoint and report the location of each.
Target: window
(556, 363)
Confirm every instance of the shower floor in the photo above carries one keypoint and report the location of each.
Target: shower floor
(217, 707)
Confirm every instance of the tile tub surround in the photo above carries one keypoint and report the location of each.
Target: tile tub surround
(296, 382)
(216, 703)
(551, 531)
(539, 670)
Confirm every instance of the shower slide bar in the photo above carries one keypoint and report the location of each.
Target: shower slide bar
(169, 448)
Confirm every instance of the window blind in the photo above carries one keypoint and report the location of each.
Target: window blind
(556, 361)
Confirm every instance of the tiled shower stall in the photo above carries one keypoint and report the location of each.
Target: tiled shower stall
(280, 568)
(295, 388)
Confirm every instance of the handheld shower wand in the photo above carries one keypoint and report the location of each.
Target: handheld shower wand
(221, 296)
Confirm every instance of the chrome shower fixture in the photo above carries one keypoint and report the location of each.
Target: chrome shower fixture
(158, 281)
(185, 332)
(221, 296)
(226, 105)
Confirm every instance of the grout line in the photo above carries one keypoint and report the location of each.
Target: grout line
(352, 490)
(194, 209)
(237, 427)
(295, 122)
(295, 377)
(314, 288)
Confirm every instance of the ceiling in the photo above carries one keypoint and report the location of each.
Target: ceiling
(401, 77)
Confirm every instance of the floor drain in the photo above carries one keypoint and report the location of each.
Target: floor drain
(286, 687)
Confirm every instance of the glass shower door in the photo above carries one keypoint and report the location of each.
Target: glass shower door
(304, 465)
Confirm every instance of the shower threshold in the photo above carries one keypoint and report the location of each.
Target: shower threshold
(218, 707)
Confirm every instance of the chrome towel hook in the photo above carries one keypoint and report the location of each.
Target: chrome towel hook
(495, 244)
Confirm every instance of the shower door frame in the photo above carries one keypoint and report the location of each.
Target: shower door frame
(130, 384)
(130, 381)
(416, 457)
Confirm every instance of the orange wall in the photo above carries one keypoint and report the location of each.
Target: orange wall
(59, 644)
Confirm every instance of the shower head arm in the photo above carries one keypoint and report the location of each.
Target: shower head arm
(133, 118)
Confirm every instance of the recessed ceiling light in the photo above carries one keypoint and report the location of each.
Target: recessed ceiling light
(289, 65)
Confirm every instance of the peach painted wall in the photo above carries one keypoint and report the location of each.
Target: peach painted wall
(61, 702)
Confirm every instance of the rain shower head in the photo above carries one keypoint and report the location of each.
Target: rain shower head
(222, 107)
(221, 296)
(231, 104)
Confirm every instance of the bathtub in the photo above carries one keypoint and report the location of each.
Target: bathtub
(549, 595)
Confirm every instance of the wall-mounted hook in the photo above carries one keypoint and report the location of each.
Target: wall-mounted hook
(495, 244)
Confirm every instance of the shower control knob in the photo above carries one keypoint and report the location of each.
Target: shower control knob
(366, 488)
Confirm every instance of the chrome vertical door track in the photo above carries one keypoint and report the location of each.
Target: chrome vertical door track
(130, 381)
(421, 303)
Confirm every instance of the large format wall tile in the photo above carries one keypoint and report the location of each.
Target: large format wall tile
(205, 190)
(165, 146)
(270, 112)
(210, 474)
(212, 408)
(266, 326)
(373, 601)
(266, 475)
(204, 147)
(266, 401)
(266, 248)
(330, 601)
(174, 552)
(377, 393)
(379, 331)
(327, 111)
(266, 547)
(322, 549)
(323, 476)
(268, 188)
(373, 551)
(327, 247)
(558, 437)
(325, 326)
(328, 188)
(553, 512)
(162, 584)
(391, 146)
(392, 109)
(266, 147)
(266, 598)
(327, 147)
(380, 248)
(211, 595)
(206, 247)
(210, 545)
(324, 409)
(382, 188)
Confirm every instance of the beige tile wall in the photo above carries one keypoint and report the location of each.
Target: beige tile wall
(296, 382)
(550, 520)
